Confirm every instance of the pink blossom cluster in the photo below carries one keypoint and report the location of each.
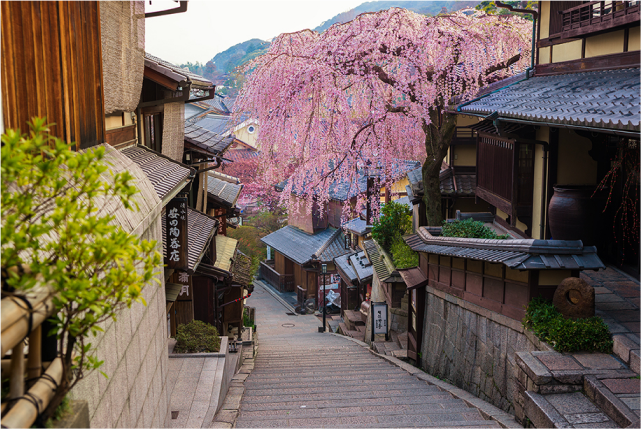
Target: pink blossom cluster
(367, 90)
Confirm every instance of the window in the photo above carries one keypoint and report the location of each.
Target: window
(153, 131)
(251, 129)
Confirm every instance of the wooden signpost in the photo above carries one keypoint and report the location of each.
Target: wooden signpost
(176, 225)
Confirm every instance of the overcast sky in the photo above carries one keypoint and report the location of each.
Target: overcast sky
(211, 26)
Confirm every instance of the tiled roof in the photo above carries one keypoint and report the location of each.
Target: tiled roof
(241, 269)
(225, 191)
(200, 229)
(357, 226)
(218, 124)
(225, 252)
(302, 247)
(343, 264)
(517, 254)
(164, 173)
(404, 200)
(206, 140)
(342, 190)
(191, 111)
(218, 103)
(364, 269)
(465, 182)
(600, 99)
(241, 154)
(381, 264)
(196, 80)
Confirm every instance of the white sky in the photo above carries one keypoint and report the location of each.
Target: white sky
(211, 26)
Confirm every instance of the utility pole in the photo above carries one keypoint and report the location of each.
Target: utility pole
(324, 271)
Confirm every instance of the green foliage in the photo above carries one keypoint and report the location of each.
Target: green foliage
(395, 221)
(249, 243)
(248, 321)
(403, 255)
(59, 413)
(55, 230)
(469, 228)
(490, 8)
(567, 335)
(197, 337)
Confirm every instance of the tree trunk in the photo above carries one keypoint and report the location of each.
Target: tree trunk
(438, 136)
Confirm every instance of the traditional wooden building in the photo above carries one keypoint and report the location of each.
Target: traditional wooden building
(556, 132)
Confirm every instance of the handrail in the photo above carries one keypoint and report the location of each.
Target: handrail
(572, 9)
(22, 316)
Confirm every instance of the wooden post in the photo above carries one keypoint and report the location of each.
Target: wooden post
(34, 362)
(205, 179)
(16, 383)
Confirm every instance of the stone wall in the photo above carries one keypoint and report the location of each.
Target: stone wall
(133, 348)
(473, 348)
(134, 351)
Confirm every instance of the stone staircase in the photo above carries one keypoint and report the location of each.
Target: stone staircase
(329, 381)
(353, 325)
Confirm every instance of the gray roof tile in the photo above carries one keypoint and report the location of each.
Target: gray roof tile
(206, 140)
(196, 80)
(302, 247)
(601, 99)
(222, 189)
(164, 173)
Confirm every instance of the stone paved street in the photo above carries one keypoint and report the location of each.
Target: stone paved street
(303, 378)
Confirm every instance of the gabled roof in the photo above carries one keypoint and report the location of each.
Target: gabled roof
(601, 100)
(163, 172)
(357, 226)
(205, 140)
(225, 252)
(223, 189)
(518, 254)
(342, 263)
(171, 70)
(363, 267)
(218, 104)
(218, 124)
(302, 247)
(381, 262)
(192, 111)
(200, 229)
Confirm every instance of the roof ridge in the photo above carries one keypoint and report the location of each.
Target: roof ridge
(326, 244)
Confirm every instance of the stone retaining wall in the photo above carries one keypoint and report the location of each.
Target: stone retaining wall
(473, 348)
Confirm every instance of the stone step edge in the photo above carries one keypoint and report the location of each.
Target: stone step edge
(609, 403)
(226, 416)
(488, 411)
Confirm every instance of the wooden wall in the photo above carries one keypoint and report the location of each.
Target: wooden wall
(52, 67)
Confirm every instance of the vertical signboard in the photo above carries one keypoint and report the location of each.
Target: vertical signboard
(176, 226)
(379, 319)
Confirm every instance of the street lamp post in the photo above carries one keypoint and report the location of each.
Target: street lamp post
(324, 271)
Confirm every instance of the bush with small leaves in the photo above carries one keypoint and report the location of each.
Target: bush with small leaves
(197, 337)
(469, 228)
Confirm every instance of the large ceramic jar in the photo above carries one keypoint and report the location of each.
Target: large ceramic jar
(571, 213)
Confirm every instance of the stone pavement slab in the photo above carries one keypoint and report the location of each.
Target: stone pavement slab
(303, 378)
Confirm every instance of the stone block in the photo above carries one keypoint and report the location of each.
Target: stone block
(597, 361)
(549, 389)
(568, 377)
(542, 413)
(622, 347)
(634, 361)
(559, 362)
(622, 385)
(77, 418)
(608, 402)
(534, 369)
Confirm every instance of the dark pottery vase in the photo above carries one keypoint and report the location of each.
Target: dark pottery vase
(572, 214)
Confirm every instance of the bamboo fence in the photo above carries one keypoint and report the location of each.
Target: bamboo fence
(21, 318)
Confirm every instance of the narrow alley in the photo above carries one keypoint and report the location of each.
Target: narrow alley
(303, 378)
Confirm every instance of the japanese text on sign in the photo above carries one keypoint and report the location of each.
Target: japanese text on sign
(176, 224)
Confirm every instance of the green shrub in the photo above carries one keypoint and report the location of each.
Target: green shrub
(395, 221)
(469, 228)
(403, 255)
(566, 335)
(197, 337)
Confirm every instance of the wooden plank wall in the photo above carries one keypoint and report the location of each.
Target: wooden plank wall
(52, 67)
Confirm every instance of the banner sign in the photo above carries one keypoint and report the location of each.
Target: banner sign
(176, 226)
(379, 318)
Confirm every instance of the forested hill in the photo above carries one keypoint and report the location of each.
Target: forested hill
(423, 7)
(239, 54)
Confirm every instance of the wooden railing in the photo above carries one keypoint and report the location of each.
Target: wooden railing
(282, 282)
(495, 165)
(22, 319)
(598, 16)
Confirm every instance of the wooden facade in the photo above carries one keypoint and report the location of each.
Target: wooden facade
(491, 286)
(52, 67)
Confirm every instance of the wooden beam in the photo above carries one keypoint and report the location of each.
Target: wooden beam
(493, 199)
(622, 60)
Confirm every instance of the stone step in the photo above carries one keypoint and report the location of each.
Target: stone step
(443, 399)
(261, 384)
(346, 389)
(364, 422)
(348, 378)
(401, 395)
(318, 369)
(353, 411)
